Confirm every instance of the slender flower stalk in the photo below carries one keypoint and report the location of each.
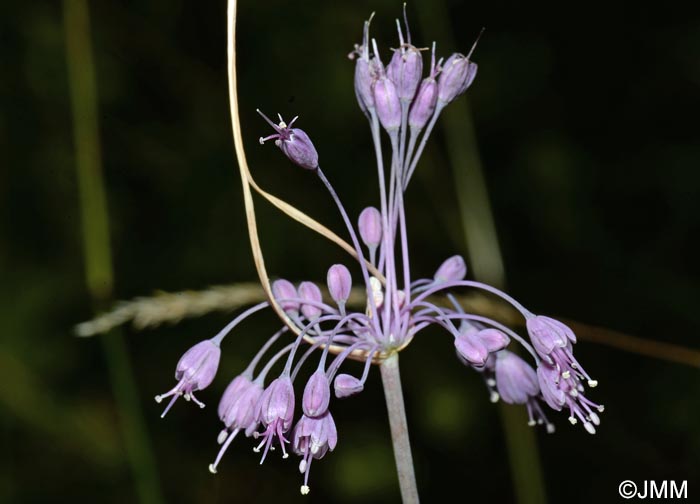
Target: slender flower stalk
(403, 107)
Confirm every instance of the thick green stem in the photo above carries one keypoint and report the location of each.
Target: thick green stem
(391, 379)
(96, 243)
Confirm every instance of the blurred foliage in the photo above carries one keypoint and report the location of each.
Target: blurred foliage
(586, 121)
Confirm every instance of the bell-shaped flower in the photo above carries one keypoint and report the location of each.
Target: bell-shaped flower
(238, 411)
(312, 439)
(276, 412)
(195, 371)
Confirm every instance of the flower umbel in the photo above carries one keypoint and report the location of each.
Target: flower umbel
(403, 106)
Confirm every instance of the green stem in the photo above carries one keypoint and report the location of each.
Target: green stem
(96, 243)
(391, 380)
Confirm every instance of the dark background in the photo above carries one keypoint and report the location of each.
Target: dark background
(586, 117)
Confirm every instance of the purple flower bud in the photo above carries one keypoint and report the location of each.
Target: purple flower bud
(346, 385)
(312, 439)
(276, 411)
(426, 100)
(424, 104)
(515, 378)
(317, 395)
(370, 225)
(294, 143)
(452, 270)
(457, 75)
(474, 346)
(471, 348)
(405, 70)
(387, 104)
(195, 371)
(309, 291)
(339, 283)
(284, 292)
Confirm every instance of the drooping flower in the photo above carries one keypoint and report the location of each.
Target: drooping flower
(312, 439)
(276, 412)
(195, 371)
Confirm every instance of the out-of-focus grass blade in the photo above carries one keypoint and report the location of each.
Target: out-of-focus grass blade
(96, 242)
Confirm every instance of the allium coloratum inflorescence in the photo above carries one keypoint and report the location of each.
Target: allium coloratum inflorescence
(403, 106)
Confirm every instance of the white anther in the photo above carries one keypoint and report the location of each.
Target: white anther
(278, 142)
(159, 398)
(186, 397)
(286, 455)
(550, 428)
(305, 490)
(566, 375)
(601, 408)
(589, 428)
(531, 423)
(491, 382)
(573, 393)
(222, 436)
(494, 397)
(595, 418)
(261, 140)
(573, 420)
(256, 449)
(302, 466)
(593, 383)
(272, 448)
(574, 365)
(212, 468)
